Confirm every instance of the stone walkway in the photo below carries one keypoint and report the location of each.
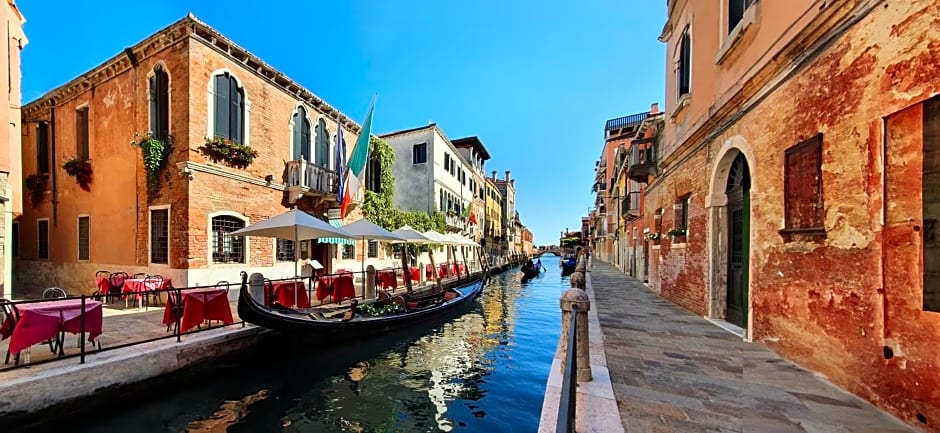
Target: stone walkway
(673, 371)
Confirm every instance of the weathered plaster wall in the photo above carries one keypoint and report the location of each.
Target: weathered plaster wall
(833, 304)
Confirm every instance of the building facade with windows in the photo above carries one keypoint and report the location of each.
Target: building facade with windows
(796, 186)
(493, 223)
(632, 166)
(430, 175)
(476, 155)
(507, 189)
(243, 143)
(11, 172)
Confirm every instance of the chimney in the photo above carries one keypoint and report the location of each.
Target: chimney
(494, 174)
(654, 109)
(507, 175)
(513, 183)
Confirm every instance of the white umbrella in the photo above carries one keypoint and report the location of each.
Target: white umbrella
(438, 238)
(293, 225)
(366, 229)
(412, 236)
(370, 230)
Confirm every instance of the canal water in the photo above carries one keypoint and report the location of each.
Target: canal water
(484, 371)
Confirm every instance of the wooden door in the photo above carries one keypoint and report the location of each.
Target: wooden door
(738, 235)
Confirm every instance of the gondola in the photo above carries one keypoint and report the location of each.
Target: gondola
(529, 272)
(568, 265)
(323, 325)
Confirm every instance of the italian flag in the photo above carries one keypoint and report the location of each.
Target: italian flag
(356, 168)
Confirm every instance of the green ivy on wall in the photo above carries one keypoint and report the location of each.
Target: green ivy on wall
(379, 207)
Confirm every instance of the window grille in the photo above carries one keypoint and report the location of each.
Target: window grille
(285, 251)
(83, 247)
(225, 247)
(160, 236)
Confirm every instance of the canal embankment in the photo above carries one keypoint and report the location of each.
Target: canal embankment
(67, 386)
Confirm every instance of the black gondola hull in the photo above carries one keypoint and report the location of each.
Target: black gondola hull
(289, 321)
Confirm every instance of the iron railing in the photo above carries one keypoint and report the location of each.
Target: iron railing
(569, 382)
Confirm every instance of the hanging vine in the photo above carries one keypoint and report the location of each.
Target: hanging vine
(155, 153)
(379, 207)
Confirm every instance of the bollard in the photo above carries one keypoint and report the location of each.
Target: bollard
(369, 291)
(576, 301)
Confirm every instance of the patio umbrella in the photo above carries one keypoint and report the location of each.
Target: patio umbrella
(410, 236)
(366, 229)
(293, 225)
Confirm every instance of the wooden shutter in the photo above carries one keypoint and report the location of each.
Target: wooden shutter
(685, 57)
(162, 126)
(297, 136)
(237, 125)
(221, 106)
(305, 136)
(42, 147)
(803, 185)
(81, 118)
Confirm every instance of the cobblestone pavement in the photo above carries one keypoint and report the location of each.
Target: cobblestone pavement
(673, 371)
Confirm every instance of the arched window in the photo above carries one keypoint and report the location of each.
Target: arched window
(684, 64)
(322, 153)
(225, 247)
(301, 135)
(229, 108)
(159, 102)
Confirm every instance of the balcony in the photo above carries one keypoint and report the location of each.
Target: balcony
(455, 221)
(307, 179)
(642, 163)
(630, 206)
(624, 125)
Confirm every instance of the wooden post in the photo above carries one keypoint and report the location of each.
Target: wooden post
(404, 265)
(437, 276)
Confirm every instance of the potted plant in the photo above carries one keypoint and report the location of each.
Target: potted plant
(230, 152)
(37, 184)
(81, 170)
(678, 234)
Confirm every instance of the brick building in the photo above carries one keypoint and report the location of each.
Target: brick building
(796, 174)
(185, 84)
(11, 171)
(633, 166)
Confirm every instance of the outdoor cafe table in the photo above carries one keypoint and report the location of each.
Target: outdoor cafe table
(41, 321)
(199, 305)
(338, 286)
(284, 293)
(415, 273)
(138, 285)
(387, 278)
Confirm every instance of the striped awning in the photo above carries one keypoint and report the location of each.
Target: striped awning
(338, 241)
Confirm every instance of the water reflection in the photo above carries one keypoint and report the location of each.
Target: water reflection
(484, 371)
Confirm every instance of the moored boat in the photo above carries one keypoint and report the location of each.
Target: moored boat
(353, 321)
(568, 265)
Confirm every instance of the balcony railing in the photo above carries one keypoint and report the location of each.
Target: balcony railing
(631, 206)
(626, 121)
(310, 178)
(455, 221)
(642, 160)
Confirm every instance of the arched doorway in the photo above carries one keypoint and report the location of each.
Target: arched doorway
(738, 229)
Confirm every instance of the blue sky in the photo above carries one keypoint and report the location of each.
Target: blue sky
(534, 80)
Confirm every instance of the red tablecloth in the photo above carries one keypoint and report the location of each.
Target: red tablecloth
(199, 305)
(442, 270)
(387, 279)
(343, 287)
(42, 321)
(103, 284)
(458, 269)
(137, 285)
(415, 274)
(284, 293)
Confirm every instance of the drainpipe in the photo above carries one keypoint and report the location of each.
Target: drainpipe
(882, 292)
(54, 168)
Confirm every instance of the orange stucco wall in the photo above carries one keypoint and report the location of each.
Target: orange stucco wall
(118, 204)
